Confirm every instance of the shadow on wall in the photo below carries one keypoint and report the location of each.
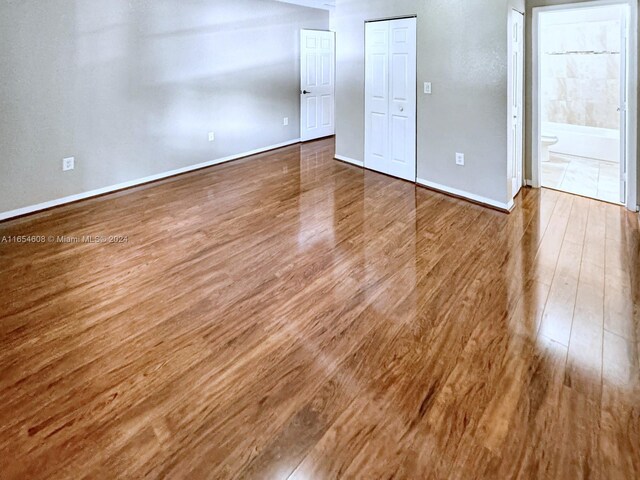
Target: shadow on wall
(185, 69)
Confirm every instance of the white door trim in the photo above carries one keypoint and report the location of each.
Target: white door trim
(515, 152)
(632, 92)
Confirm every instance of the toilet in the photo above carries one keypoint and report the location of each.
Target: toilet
(546, 142)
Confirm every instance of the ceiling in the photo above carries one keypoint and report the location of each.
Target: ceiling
(323, 4)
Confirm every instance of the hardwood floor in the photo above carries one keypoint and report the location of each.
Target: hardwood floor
(291, 316)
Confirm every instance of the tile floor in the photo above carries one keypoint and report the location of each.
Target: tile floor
(582, 176)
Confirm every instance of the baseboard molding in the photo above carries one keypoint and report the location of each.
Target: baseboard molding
(503, 207)
(357, 163)
(134, 183)
(487, 202)
(528, 183)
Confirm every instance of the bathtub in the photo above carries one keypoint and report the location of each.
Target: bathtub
(590, 142)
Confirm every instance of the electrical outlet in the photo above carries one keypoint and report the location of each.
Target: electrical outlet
(427, 88)
(460, 159)
(68, 164)
(212, 137)
(285, 122)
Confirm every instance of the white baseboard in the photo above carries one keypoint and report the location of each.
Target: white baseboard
(349, 160)
(528, 183)
(132, 183)
(470, 196)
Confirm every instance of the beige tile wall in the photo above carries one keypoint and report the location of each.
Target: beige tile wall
(581, 74)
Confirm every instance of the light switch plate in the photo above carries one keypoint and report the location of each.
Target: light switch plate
(212, 136)
(460, 159)
(427, 88)
(285, 122)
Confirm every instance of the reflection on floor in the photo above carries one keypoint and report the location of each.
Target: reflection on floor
(320, 321)
(583, 176)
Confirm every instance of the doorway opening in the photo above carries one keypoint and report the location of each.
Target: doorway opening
(582, 58)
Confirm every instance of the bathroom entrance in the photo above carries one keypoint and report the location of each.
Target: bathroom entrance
(582, 97)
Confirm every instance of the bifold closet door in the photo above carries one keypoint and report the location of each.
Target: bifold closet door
(390, 97)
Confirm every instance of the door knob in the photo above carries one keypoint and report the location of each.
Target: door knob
(402, 109)
(304, 92)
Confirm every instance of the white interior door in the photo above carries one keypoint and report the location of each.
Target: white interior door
(516, 99)
(390, 97)
(623, 106)
(317, 86)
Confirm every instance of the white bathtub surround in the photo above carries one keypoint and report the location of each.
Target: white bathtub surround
(583, 141)
(581, 68)
(583, 176)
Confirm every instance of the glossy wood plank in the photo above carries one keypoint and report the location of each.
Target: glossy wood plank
(584, 364)
(291, 316)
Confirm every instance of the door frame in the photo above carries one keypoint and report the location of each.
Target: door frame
(364, 90)
(631, 148)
